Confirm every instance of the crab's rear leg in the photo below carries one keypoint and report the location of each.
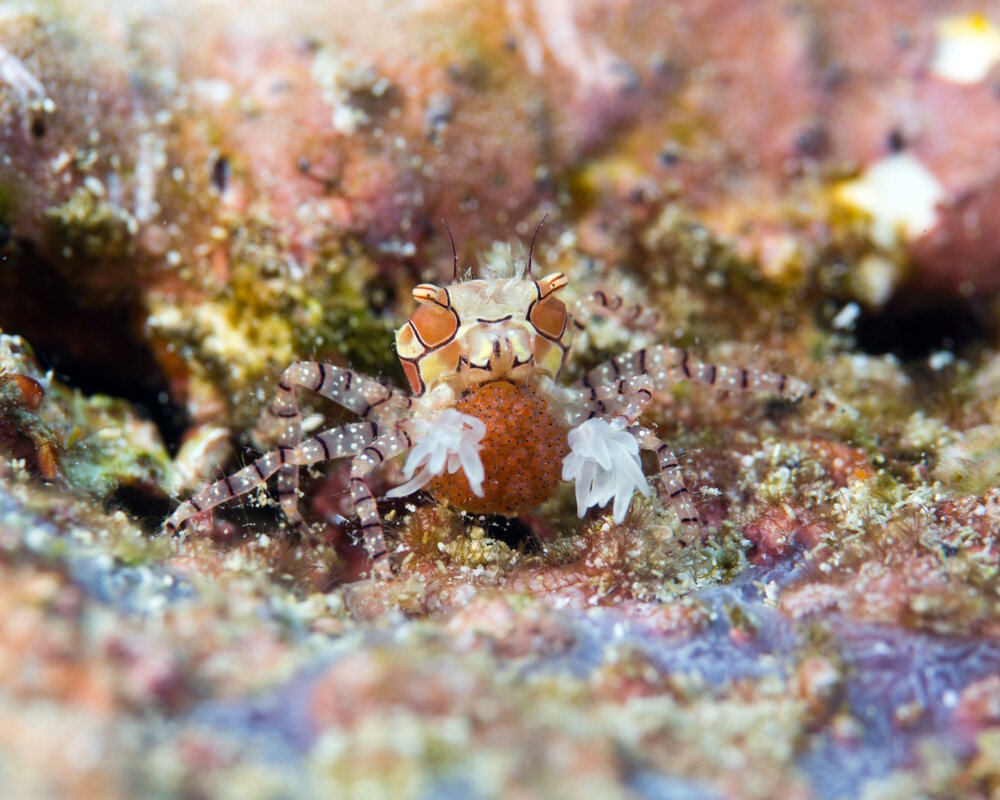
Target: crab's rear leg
(667, 366)
(334, 443)
(605, 304)
(673, 480)
(383, 448)
(358, 393)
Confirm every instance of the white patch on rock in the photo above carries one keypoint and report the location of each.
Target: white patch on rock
(847, 316)
(899, 194)
(967, 48)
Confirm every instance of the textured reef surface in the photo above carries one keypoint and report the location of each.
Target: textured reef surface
(194, 195)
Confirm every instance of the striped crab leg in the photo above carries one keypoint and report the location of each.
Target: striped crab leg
(667, 366)
(626, 397)
(334, 443)
(670, 473)
(366, 397)
(605, 304)
(371, 456)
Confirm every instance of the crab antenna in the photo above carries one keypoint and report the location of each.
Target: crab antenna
(454, 253)
(531, 247)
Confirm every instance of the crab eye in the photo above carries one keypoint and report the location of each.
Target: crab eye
(551, 283)
(429, 293)
(549, 317)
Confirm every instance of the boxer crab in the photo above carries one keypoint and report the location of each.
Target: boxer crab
(487, 426)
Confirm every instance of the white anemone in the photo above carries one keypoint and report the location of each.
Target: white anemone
(604, 462)
(449, 440)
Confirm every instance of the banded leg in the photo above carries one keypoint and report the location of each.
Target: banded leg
(667, 366)
(670, 474)
(334, 443)
(366, 397)
(383, 448)
(601, 303)
(627, 397)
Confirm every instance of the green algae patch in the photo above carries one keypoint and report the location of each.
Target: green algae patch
(108, 446)
(970, 465)
(341, 319)
(96, 444)
(271, 312)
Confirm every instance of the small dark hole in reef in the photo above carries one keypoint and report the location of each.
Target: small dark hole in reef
(145, 391)
(38, 127)
(149, 507)
(511, 531)
(813, 141)
(913, 327)
(894, 142)
(778, 408)
(222, 173)
(668, 156)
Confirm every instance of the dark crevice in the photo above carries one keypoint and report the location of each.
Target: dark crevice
(150, 508)
(89, 340)
(145, 391)
(512, 531)
(911, 327)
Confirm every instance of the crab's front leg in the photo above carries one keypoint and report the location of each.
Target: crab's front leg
(334, 443)
(623, 401)
(381, 449)
(604, 451)
(368, 398)
(670, 473)
(627, 397)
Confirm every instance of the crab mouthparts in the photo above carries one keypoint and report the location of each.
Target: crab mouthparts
(497, 353)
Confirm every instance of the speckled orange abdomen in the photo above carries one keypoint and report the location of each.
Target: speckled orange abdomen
(522, 451)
